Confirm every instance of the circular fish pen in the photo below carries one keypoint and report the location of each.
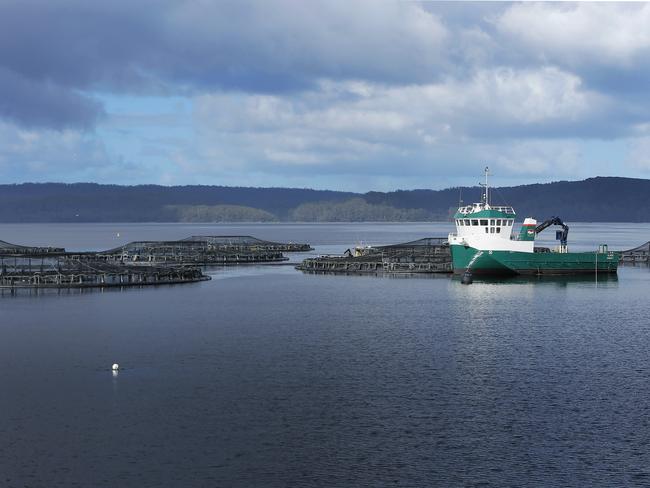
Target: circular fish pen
(137, 263)
(201, 251)
(61, 272)
(25, 267)
(428, 255)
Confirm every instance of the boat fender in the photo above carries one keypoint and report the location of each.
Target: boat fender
(467, 278)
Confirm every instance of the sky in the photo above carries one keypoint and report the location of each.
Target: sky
(356, 96)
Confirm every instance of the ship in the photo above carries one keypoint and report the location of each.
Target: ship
(485, 244)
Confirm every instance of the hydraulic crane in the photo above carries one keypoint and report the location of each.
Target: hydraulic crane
(560, 235)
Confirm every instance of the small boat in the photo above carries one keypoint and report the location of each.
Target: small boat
(484, 243)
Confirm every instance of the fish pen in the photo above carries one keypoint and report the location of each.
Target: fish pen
(63, 271)
(200, 251)
(7, 248)
(183, 252)
(248, 243)
(135, 263)
(637, 256)
(428, 255)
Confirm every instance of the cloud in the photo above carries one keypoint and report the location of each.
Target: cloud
(558, 159)
(35, 104)
(581, 33)
(360, 119)
(183, 47)
(284, 45)
(52, 155)
(285, 89)
(360, 128)
(606, 44)
(287, 47)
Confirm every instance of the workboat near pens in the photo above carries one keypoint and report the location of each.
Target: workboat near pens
(484, 243)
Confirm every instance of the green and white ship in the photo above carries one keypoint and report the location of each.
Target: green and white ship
(484, 243)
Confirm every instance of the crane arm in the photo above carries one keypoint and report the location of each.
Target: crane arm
(555, 221)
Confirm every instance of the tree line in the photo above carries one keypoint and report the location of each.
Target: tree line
(600, 199)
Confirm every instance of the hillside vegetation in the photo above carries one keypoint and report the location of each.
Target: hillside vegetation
(216, 213)
(599, 199)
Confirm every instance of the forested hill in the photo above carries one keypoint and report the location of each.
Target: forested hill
(592, 200)
(600, 199)
(91, 202)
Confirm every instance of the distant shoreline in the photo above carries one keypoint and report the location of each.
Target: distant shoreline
(600, 199)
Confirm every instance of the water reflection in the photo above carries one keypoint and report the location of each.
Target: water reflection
(558, 280)
(379, 274)
(76, 291)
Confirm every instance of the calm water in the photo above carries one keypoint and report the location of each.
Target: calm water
(267, 377)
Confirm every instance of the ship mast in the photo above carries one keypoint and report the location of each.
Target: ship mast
(486, 195)
(487, 172)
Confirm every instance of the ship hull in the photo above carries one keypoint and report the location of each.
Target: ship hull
(504, 263)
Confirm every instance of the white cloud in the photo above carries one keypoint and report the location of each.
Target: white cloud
(360, 121)
(580, 33)
(529, 96)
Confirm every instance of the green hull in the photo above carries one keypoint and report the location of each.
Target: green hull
(531, 263)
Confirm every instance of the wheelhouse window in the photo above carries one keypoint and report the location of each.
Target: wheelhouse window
(491, 221)
(474, 222)
(484, 222)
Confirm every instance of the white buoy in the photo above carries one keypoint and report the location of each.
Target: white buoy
(115, 367)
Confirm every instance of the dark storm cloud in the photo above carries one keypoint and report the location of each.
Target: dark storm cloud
(42, 104)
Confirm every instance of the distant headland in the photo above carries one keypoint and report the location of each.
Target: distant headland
(600, 199)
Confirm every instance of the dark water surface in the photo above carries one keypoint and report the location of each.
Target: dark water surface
(267, 377)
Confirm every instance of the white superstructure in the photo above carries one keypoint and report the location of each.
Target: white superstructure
(486, 227)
